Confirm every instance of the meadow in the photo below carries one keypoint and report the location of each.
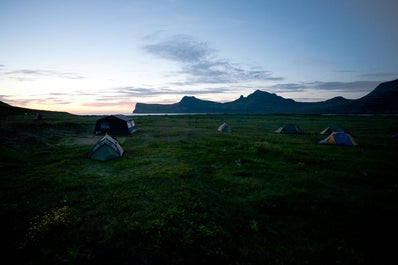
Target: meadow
(184, 193)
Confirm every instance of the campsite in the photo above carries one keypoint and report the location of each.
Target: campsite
(184, 193)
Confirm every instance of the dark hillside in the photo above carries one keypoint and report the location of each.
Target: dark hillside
(2, 104)
(8, 110)
(382, 100)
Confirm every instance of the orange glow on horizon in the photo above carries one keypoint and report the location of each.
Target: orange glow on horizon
(86, 109)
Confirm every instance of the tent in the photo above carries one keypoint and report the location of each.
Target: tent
(290, 129)
(38, 116)
(105, 149)
(339, 138)
(115, 124)
(224, 128)
(330, 130)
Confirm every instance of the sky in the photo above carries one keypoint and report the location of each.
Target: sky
(102, 57)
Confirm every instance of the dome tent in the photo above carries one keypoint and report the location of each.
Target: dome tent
(339, 138)
(224, 128)
(332, 129)
(290, 129)
(105, 149)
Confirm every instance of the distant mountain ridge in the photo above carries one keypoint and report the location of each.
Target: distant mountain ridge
(382, 100)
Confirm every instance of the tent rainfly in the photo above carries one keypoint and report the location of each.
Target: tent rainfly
(339, 138)
(290, 129)
(224, 128)
(115, 124)
(105, 149)
(330, 130)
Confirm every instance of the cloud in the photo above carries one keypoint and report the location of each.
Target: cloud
(29, 74)
(382, 76)
(289, 87)
(180, 48)
(130, 91)
(107, 104)
(139, 91)
(36, 101)
(345, 71)
(199, 62)
(357, 86)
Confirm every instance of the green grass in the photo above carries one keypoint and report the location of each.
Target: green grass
(186, 194)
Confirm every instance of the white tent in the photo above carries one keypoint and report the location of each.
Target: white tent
(224, 128)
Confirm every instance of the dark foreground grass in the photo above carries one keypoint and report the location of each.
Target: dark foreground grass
(184, 193)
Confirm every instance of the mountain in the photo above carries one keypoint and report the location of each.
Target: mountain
(186, 105)
(382, 100)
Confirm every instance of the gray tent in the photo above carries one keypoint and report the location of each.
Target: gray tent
(290, 129)
(224, 128)
(105, 149)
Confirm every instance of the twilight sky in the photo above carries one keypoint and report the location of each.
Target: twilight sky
(101, 57)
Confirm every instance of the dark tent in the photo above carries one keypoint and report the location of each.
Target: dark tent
(38, 116)
(290, 129)
(115, 124)
(105, 149)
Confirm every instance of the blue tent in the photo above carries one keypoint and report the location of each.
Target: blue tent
(339, 138)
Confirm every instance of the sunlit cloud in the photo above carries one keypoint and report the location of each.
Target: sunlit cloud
(148, 92)
(140, 91)
(50, 102)
(105, 104)
(30, 74)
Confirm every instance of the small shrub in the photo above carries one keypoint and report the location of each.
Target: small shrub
(43, 224)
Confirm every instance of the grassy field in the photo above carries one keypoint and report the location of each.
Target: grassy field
(184, 193)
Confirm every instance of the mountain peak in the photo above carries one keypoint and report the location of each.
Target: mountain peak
(260, 95)
(338, 99)
(188, 99)
(260, 92)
